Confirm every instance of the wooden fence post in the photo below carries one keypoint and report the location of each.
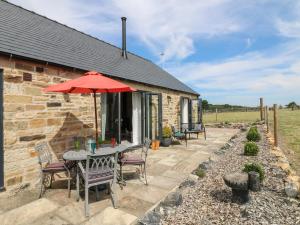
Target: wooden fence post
(261, 108)
(267, 117)
(216, 114)
(275, 125)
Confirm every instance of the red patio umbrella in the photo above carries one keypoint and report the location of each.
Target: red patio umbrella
(92, 82)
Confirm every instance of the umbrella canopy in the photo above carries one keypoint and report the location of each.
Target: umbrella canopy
(91, 82)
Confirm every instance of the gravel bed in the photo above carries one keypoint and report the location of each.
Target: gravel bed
(209, 200)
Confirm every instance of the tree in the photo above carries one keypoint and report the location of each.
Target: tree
(292, 105)
(204, 104)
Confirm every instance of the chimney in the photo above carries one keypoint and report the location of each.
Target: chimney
(124, 50)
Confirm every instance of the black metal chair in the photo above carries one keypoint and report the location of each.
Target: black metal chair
(50, 168)
(193, 128)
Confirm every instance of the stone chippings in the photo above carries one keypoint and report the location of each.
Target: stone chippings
(209, 200)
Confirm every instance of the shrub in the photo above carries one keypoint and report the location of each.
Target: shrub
(167, 132)
(253, 134)
(250, 148)
(200, 172)
(256, 168)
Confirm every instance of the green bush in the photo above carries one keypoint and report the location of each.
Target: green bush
(200, 172)
(250, 148)
(253, 134)
(167, 132)
(255, 167)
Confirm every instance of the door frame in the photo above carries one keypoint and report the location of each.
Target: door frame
(181, 111)
(147, 109)
(2, 188)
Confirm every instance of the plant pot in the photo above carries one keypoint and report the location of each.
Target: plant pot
(166, 142)
(157, 143)
(153, 145)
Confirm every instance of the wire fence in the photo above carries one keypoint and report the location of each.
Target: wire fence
(235, 109)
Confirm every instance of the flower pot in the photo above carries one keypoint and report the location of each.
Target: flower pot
(153, 145)
(157, 144)
(166, 142)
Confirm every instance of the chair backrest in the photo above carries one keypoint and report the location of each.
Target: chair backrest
(146, 147)
(98, 164)
(184, 126)
(173, 129)
(197, 126)
(44, 154)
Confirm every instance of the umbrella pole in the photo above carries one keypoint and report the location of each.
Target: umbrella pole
(96, 120)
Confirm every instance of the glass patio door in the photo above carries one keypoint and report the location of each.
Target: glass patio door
(191, 112)
(110, 116)
(152, 115)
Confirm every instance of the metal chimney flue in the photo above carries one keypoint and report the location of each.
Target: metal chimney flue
(124, 50)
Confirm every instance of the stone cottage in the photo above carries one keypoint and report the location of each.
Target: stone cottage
(36, 52)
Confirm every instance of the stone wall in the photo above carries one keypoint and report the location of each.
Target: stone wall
(32, 116)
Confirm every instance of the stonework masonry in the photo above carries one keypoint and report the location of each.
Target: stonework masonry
(32, 116)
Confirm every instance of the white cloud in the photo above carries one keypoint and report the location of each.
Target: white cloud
(169, 26)
(289, 29)
(174, 27)
(271, 73)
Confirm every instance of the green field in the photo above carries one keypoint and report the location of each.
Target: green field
(289, 128)
(233, 117)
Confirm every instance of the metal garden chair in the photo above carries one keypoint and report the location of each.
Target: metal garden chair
(178, 135)
(50, 168)
(135, 160)
(99, 169)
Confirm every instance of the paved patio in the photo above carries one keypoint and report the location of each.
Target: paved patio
(167, 168)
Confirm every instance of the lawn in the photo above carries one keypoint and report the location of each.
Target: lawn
(233, 117)
(289, 128)
(289, 134)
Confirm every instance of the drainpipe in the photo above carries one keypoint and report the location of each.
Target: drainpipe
(2, 188)
(124, 51)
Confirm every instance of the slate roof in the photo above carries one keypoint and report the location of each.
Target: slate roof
(27, 34)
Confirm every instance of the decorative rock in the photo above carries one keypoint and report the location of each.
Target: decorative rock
(254, 181)
(173, 199)
(291, 189)
(205, 165)
(190, 181)
(151, 218)
(239, 186)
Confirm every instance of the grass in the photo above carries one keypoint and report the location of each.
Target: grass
(200, 172)
(232, 117)
(289, 128)
(289, 134)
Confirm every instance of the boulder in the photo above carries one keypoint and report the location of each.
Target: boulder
(151, 218)
(291, 189)
(254, 181)
(173, 199)
(190, 181)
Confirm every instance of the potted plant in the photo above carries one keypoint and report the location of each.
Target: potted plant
(166, 136)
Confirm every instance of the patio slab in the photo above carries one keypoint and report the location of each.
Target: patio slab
(166, 169)
(28, 213)
(111, 216)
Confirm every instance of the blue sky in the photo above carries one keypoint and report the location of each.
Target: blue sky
(230, 51)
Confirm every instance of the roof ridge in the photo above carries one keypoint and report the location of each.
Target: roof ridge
(89, 35)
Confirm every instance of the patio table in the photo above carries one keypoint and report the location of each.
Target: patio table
(81, 155)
